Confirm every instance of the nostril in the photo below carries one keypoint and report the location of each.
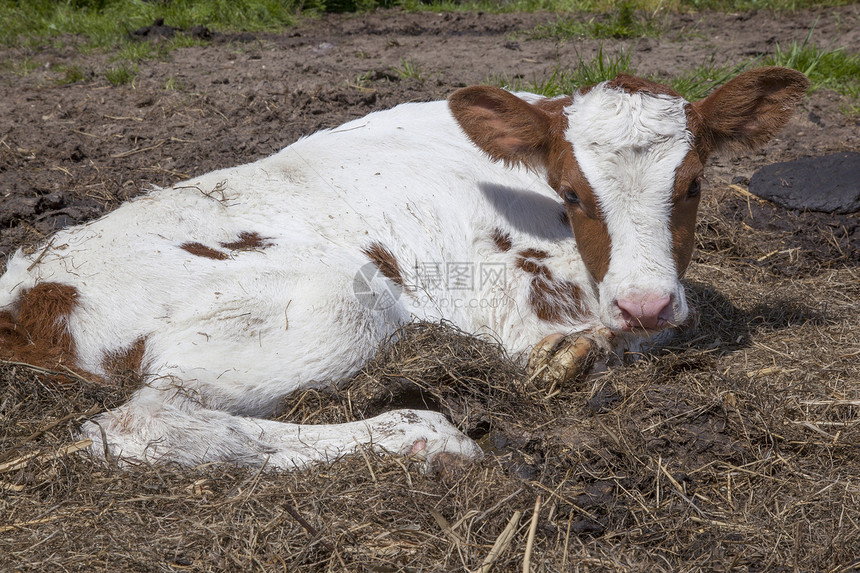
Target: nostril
(625, 314)
(646, 311)
(667, 313)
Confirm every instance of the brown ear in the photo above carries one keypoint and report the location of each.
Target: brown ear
(750, 109)
(504, 126)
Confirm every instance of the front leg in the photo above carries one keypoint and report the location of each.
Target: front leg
(559, 358)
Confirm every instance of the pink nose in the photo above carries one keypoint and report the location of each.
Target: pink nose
(649, 312)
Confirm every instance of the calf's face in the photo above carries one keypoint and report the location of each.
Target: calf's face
(627, 157)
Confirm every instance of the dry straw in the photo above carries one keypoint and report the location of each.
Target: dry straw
(734, 448)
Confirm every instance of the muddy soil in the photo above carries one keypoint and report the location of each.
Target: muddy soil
(730, 450)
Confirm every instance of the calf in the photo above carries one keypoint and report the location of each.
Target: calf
(555, 224)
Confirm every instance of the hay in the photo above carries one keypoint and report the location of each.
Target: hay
(734, 448)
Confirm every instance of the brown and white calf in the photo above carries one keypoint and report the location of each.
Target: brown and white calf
(534, 219)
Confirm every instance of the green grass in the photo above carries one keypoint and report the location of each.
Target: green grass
(833, 69)
(702, 80)
(71, 75)
(611, 6)
(409, 70)
(142, 50)
(172, 84)
(120, 75)
(564, 81)
(136, 51)
(107, 22)
(747, 5)
(625, 22)
(22, 67)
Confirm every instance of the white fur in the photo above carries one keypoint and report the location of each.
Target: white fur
(226, 339)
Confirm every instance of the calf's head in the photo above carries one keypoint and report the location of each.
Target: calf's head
(627, 157)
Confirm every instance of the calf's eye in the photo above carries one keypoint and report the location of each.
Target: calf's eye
(570, 197)
(695, 189)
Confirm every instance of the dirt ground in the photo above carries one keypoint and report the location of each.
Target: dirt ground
(738, 448)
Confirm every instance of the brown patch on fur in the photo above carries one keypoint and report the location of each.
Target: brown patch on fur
(556, 301)
(502, 240)
(534, 254)
(534, 268)
(35, 331)
(507, 128)
(201, 250)
(247, 242)
(585, 89)
(527, 260)
(385, 262)
(551, 300)
(747, 111)
(594, 242)
(126, 365)
(632, 84)
(554, 105)
(586, 218)
(682, 223)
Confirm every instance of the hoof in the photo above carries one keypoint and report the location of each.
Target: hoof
(558, 359)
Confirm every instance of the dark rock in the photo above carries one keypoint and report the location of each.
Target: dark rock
(156, 30)
(830, 183)
(200, 32)
(17, 207)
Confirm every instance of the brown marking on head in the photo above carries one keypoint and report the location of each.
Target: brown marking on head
(35, 330)
(593, 241)
(553, 106)
(556, 301)
(584, 215)
(632, 84)
(201, 250)
(126, 365)
(685, 206)
(248, 241)
(502, 240)
(385, 262)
